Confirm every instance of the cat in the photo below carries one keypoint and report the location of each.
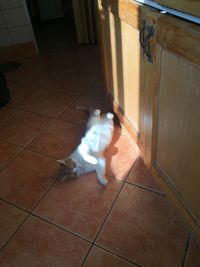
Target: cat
(88, 156)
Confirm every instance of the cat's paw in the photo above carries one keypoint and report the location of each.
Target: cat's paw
(110, 115)
(103, 181)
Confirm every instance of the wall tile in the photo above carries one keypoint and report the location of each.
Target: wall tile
(16, 16)
(4, 38)
(2, 21)
(21, 34)
(11, 3)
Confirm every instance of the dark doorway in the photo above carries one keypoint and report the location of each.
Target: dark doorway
(53, 23)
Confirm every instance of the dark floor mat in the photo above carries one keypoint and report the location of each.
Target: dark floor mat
(9, 66)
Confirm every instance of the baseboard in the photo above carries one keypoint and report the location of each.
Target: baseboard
(124, 120)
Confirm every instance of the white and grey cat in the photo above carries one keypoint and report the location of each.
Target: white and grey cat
(88, 156)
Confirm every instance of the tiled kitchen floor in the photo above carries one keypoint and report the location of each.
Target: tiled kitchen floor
(79, 222)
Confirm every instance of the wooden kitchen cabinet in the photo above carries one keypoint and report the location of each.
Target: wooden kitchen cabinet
(152, 73)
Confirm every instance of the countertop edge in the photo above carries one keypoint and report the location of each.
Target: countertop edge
(170, 11)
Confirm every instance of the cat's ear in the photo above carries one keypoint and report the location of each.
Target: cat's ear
(61, 161)
(110, 115)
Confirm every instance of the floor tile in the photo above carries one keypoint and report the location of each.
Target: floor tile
(23, 93)
(59, 139)
(76, 86)
(7, 153)
(143, 228)
(193, 255)
(120, 157)
(92, 103)
(101, 258)
(23, 127)
(140, 175)
(72, 114)
(6, 113)
(79, 204)
(50, 102)
(24, 181)
(11, 218)
(92, 85)
(40, 244)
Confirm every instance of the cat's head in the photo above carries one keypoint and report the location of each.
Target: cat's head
(70, 166)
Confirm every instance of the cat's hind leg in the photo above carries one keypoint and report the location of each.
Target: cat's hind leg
(100, 170)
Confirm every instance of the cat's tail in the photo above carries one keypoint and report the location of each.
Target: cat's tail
(89, 111)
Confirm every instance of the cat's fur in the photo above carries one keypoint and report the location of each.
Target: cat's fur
(88, 156)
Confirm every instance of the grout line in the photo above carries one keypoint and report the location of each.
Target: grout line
(146, 188)
(10, 117)
(30, 213)
(14, 205)
(116, 254)
(86, 255)
(25, 149)
(11, 236)
(11, 160)
(140, 186)
(125, 179)
(10, 143)
(34, 112)
(115, 199)
(45, 193)
(93, 242)
(37, 216)
(39, 133)
(40, 153)
(36, 136)
(69, 105)
(61, 227)
(186, 251)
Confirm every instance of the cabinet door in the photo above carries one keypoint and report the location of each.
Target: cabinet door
(177, 127)
(121, 55)
(148, 78)
(187, 6)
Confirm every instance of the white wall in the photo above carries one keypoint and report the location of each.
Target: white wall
(15, 24)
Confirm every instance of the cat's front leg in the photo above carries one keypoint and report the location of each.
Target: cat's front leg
(100, 170)
(84, 151)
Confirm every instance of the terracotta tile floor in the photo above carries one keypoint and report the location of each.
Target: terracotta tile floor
(79, 222)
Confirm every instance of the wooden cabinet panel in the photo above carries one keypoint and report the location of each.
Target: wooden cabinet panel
(187, 6)
(131, 74)
(178, 132)
(148, 78)
(177, 129)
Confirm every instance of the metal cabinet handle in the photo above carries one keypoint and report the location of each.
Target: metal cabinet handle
(142, 34)
(145, 40)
